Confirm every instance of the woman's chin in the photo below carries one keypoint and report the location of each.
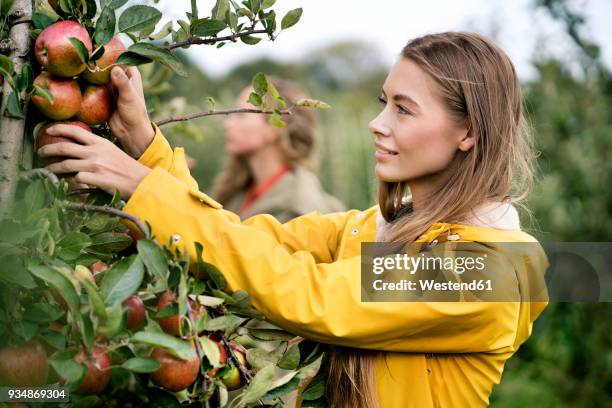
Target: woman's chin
(385, 176)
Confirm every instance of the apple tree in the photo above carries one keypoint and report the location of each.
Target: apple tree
(89, 299)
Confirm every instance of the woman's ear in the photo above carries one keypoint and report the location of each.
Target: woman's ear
(467, 140)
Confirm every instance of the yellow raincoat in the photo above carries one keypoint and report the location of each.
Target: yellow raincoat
(304, 276)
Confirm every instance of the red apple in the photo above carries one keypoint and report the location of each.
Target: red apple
(136, 312)
(96, 105)
(174, 374)
(66, 96)
(55, 52)
(43, 138)
(98, 370)
(171, 324)
(100, 73)
(98, 267)
(24, 366)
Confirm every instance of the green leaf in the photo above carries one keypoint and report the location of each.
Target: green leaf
(311, 369)
(175, 346)
(137, 18)
(42, 313)
(41, 20)
(250, 40)
(141, 365)
(260, 84)
(154, 259)
(13, 271)
(43, 92)
(94, 297)
(163, 32)
(24, 80)
(34, 197)
(13, 107)
(161, 55)
(282, 390)
(206, 27)
(55, 339)
(315, 389)
(132, 59)
(318, 403)
(80, 48)
(6, 66)
(266, 4)
(87, 331)
(254, 6)
(260, 358)
(221, 8)
(211, 351)
(227, 322)
(312, 103)
(63, 362)
(90, 9)
(112, 324)
(60, 282)
(259, 385)
(122, 280)
(276, 119)
(209, 301)
(69, 247)
(117, 3)
(291, 359)
(110, 242)
(270, 334)
(291, 18)
(208, 270)
(105, 26)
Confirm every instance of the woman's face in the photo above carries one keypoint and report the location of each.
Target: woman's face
(246, 133)
(414, 134)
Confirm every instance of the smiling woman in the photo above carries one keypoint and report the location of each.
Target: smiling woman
(451, 133)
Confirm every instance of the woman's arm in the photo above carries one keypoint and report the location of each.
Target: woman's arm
(318, 300)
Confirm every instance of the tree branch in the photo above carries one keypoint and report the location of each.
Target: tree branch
(108, 210)
(13, 129)
(196, 115)
(214, 40)
(42, 172)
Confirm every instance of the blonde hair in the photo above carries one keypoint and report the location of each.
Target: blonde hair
(479, 87)
(296, 143)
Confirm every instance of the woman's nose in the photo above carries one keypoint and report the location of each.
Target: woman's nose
(378, 127)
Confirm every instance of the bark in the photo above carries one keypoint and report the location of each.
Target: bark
(12, 130)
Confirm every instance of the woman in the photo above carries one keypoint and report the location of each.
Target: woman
(451, 129)
(270, 168)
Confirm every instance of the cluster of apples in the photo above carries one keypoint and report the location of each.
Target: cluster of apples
(81, 94)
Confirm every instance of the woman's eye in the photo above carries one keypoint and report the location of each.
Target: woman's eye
(382, 100)
(403, 110)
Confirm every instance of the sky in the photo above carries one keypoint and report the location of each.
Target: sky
(389, 24)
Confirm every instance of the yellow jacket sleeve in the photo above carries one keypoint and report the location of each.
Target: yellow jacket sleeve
(299, 286)
(160, 154)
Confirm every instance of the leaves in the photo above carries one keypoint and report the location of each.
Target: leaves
(154, 259)
(312, 103)
(220, 10)
(212, 351)
(207, 270)
(6, 66)
(61, 283)
(259, 385)
(69, 247)
(141, 365)
(315, 389)
(137, 18)
(41, 20)
(63, 363)
(270, 334)
(122, 280)
(291, 18)
(173, 345)
(13, 107)
(132, 59)
(43, 92)
(206, 27)
(105, 26)
(227, 322)
(80, 48)
(260, 84)
(291, 359)
(161, 55)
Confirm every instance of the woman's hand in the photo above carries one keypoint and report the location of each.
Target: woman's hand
(95, 160)
(130, 122)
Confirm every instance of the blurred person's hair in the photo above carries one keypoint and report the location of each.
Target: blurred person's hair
(479, 87)
(297, 143)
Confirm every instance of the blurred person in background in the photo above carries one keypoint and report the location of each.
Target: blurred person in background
(270, 169)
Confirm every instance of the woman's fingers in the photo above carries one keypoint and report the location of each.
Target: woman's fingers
(73, 132)
(70, 166)
(134, 74)
(63, 149)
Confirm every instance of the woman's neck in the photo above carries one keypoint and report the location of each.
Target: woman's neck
(265, 163)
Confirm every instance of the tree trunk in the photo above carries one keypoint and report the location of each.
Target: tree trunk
(12, 130)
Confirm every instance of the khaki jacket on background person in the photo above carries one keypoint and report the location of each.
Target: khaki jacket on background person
(297, 193)
(304, 276)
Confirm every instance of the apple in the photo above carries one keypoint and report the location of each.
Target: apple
(172, 324)
(66, 96)
(222, 359)
(43, 138)
(232, 379)
(174, 374)
(100, 73)
(98, 267)
(96, 105)
(55, 52)
(98, 370)
(136, 311)
(24, 366)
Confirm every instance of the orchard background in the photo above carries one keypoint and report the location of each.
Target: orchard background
(565, 363)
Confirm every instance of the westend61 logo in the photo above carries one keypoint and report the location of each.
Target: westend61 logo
(486, 271)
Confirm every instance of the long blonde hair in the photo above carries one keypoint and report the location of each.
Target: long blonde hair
(296, 143)
(479, 87)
